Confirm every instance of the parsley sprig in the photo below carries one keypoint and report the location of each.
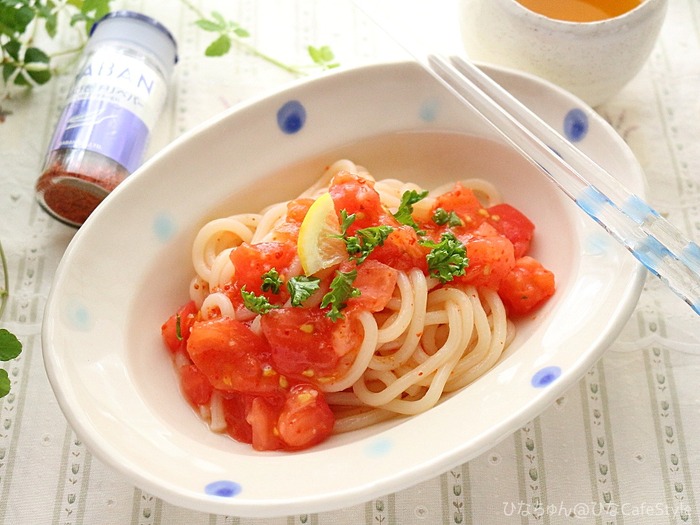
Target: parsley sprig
(258, 304)
(341, 290)
(447, 259)
(365, 240)
(301, 288)
(271, 281)
(443, 217)
(404, 214)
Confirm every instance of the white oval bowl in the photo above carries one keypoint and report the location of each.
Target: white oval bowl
(128, 268)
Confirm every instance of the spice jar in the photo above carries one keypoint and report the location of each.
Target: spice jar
(116, 98)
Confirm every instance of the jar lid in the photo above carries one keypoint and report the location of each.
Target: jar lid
(140, 30)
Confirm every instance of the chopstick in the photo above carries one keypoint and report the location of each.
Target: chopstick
(654, 241)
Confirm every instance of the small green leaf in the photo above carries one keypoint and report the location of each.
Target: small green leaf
(219, 18)
(7, 71)
(450, 218)
(219, 47)
(365, 240)
(271, 281)
(10, 346)
(322, 56)
(340, 291)
(14, 19)
(447, 259)
(257, 304)
(208, 25)
(4, 383)
(301, 288)
(34, 54)
(346, 220)
(240, 32)
(33, 57)
(13, 48)
(405, 212)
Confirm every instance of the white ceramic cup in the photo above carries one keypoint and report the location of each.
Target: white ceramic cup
(593, 60)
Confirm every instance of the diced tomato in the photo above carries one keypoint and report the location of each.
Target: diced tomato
(464, 203)
(235, 407)
(357, 196)
(301, 341)
(252, 261)
(262, 418)
(376, 282)
(490, 257)
(232, 356)
(176, 329)
(514, 225)
(306, 419)
(401, 249)
(288, 231)
(195, 385)
(297, 209)
(526, 286)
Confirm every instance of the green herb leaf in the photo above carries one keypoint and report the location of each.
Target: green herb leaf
(341, 290)
(450, 218)
(15, 17)
(10, 346)
(405, 212)
(301, 288)
(322, 56)
(240, 32)
(346, 221)
(447, 259)
(37, 65)
(365, 240)
(271, 281)
(219, 47)
(258, 304)
(4, 383)
(208, 25)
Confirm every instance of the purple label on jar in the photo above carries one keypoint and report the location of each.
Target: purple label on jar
(102, 127)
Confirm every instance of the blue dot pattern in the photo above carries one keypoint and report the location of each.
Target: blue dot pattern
(429, 110)
(545, 376)
(576, 125)
(223, 488)
(163, 227)
(291, 117)
(79, 316)
(379, 447)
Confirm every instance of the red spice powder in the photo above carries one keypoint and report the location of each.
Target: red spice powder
(70, 196)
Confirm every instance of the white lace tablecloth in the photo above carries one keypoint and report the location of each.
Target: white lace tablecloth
(621, 446)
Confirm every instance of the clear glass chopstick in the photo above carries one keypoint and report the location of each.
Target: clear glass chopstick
(655, 242)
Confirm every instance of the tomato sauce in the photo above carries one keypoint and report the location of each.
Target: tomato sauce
(270, 378)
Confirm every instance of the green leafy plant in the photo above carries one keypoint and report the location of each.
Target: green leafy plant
(228, 33)
(24, 63)
(10, 346)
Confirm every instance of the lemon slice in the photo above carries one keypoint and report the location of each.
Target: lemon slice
(318, 245)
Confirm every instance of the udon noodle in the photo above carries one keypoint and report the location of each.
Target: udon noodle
(429, 340)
